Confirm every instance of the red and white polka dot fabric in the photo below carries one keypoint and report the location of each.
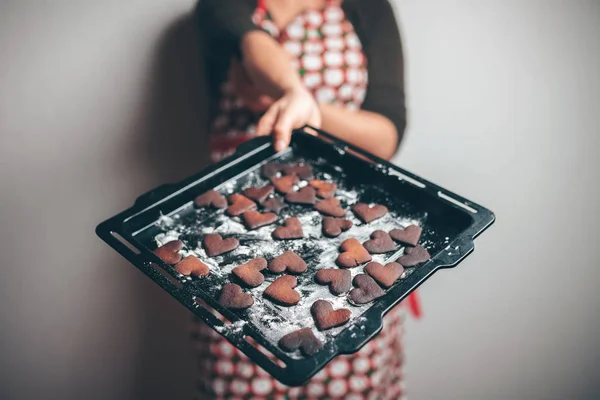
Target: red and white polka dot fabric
(327, 53)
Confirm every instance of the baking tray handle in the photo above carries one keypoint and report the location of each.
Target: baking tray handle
(482, 217)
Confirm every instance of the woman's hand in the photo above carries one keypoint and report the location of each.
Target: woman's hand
(296, 108)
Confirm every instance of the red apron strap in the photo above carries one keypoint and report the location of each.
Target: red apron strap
(261, 5)
(414, 305)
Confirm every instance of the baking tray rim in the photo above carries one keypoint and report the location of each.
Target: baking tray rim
(292, 374)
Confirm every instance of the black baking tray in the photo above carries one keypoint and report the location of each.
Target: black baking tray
(450, 224)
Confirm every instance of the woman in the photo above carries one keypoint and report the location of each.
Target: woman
(276, 65)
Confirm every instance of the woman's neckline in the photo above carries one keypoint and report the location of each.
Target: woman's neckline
(283, 21)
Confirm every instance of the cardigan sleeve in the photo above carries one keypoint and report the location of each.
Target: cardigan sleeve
(223, 23)
(221, 26)
(378, 32)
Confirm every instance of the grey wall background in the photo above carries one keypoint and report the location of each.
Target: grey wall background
(504, 108)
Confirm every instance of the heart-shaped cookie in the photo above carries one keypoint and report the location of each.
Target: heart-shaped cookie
(303, 339)
(258, 194)
(292, 229)
(339, 280)
(211, 198)
(302, 171)
(384, 275)
(366, 290)
(249, 273)
(275, 204)
(192, 266)
(330, 206)
(353, 254)
(169, 252)
(288, 261)
(234, 298)
(306, 195)
(239, 204)
(271, 169)
(254, 219)
(414, 256)
(381, 242)
(333, 227)
(326, 317)
(324, 189)
(215, 245)
(408, 236)
(284, 184)
(281, 291)
(367, 214)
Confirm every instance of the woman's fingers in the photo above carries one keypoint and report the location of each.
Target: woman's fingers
(266, 122)
(294, 109)
(282, 132)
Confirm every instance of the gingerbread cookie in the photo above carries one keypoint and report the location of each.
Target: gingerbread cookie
(281, 291)
(233, 297)
(288, 261)
(384, 275)
(331, 207)
(303, 339)
(192, 266)
(367, 214)
(324, 189)
(333, 227)
(339, 280)
(302, 171)
(414, 256)
(271, 169)
(326, 317)
(381, 242)
(306, 195)
(254, 219)
(249, 273)
(284, 184)
(366, 290)
(353, 254)
(292, 229)
(211, 198)
(408, 236)
(169, 252)
(275, 204)
(258, 194)
(239, 204)
(215, 245)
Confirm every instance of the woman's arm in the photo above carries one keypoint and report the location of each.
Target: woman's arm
(365, 129)
(270, 68)
(228, 29)
(379, 126)
(268, 65)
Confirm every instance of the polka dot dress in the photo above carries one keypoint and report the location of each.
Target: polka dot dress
(327, 53)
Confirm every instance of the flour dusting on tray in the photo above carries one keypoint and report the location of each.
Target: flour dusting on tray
(273, 321)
